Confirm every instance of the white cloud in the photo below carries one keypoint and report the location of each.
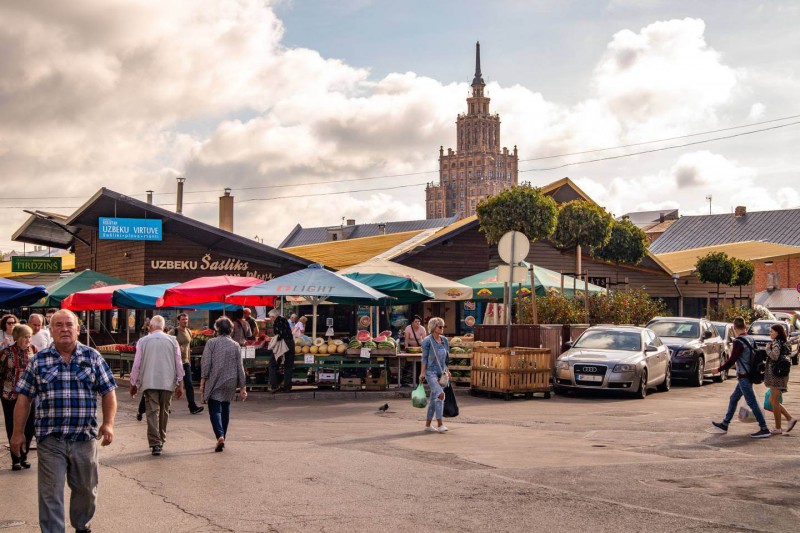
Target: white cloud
(756, 111)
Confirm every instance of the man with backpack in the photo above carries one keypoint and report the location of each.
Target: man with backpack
(749, 370)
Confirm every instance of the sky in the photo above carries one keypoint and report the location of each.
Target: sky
(315, 111)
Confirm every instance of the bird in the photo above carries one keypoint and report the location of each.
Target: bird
(383, 408)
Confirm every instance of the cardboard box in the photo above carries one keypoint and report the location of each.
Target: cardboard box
(374, 384)
(350, 384)
(327, 377)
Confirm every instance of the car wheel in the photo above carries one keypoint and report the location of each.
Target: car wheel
(697, 379)
(642, 392)
(667, 383)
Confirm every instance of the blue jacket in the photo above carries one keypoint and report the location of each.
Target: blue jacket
(429, 351)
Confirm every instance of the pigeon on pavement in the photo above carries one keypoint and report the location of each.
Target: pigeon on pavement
(383, 408)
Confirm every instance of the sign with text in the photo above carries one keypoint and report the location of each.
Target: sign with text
(130, 229)
(21, 263)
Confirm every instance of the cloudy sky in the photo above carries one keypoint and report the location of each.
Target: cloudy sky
(290, 101)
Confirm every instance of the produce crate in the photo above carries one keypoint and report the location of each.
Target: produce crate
(350, 384)
(510, 371)
(460, 369)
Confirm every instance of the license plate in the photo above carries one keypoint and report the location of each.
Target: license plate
(584, 377)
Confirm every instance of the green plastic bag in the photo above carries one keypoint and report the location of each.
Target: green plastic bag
(768, 403)
(418, 397)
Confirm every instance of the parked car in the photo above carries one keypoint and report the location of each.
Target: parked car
(725, 331)
(759, 331)
(695, 346)
(615, 358)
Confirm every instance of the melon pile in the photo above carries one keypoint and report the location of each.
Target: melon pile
(363, 339)
(304, 345)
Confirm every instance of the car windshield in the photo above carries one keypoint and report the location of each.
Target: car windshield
(760, 328)
(720, 329)
(683, 330)
(627, 341)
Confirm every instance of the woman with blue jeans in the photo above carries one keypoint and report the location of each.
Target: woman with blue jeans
(222, 373)
(435, 355)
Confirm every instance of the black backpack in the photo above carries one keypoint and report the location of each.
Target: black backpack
(758, 361)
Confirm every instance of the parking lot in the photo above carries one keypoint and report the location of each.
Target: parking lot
(574, 463)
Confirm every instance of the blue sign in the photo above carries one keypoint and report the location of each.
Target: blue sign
(130, 229)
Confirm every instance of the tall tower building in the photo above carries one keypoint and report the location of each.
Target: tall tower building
(478, 168)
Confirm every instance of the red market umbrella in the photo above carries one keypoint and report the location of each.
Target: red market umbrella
(210, 289)
(98, 299)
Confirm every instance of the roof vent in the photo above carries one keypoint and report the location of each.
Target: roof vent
(740, 211)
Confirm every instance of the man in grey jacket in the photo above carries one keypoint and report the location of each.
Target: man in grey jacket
(158, 372)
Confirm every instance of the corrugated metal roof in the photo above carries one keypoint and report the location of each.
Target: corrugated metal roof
(778, 299)
(644, 218)
(301, 236)
(342, 254)
(684, 261)
(781, 227)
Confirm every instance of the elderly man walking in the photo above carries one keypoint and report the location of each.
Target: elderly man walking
(65, 379)
(157, 371)
(41, 337)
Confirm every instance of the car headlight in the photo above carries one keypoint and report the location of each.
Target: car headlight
(684, 353)
(562, 365)
(624, 368)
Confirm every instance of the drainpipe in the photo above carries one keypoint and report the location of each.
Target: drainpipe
(675, 278)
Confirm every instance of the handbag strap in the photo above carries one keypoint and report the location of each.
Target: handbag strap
(436, 355)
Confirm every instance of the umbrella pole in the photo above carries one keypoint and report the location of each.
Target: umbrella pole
(314, 302)
(533, 298)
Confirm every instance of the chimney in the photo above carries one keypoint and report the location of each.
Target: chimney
(351, 222)
(382, 228)
(179, 204)
(740, 211)
(661, 217)
(226, 211)
(149, 197)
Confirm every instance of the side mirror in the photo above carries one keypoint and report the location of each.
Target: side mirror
(651, 348)
(707, 335)
(567, 345)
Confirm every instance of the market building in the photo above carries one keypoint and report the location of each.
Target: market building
(478, 168)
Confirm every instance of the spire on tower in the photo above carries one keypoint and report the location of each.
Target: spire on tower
(478, 79)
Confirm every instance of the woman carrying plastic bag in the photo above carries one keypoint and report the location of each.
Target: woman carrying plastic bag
(435, 355)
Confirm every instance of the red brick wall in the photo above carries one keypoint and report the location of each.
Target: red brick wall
(788, 273)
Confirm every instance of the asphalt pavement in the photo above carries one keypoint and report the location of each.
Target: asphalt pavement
(576, 463)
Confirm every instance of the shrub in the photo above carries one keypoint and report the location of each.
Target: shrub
(619, 307)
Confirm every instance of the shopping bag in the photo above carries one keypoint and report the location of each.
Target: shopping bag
(450, 405)
(418, 397)
(767, 397)
(746, 415)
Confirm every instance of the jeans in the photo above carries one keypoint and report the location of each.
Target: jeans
(188, 386)
(435, 405)
(288, 369)
(745, 388)
(8, 414)
(77, 462)
(157, 402)
(220, 415)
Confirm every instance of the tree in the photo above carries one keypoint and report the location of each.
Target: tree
(745, 271)
(716, 267)
(582, 224)
(523, 209)
(627, 244)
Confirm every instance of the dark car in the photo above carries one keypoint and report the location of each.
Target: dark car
(759, 331)
(695, 346)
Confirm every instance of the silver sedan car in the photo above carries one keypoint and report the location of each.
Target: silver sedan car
(614, 358)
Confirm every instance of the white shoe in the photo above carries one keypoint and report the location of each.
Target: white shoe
(442, 429)
(790, 424)
(776, 431)
(431, 429)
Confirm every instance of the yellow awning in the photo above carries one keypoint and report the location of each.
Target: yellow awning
(342, 254)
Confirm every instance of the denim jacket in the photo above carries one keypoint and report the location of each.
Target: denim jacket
(429, 352)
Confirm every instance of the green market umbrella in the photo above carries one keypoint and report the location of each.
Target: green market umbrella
(82, 281)
(404, 290)
(485, 286)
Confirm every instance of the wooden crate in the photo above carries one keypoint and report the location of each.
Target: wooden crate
(511, 371)
(461, 380)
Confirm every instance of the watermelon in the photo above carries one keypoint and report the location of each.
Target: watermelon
(386, 345)
(380, 338)
(354, 345)
(369, 344)
(386, 333)
(363, 336)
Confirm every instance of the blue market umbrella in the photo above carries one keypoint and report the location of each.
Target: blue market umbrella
(316, 285)
(145, 296)
(16, 294)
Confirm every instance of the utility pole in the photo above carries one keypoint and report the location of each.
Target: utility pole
(709, 203)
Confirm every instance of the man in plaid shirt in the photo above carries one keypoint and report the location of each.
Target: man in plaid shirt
(65, 379)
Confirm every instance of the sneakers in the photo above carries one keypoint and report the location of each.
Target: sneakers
(790, 424)
(156, 450)
(197, 410)
(761, 434)
(442, 429)
(719, 427)
(776, 431)
(431, 429)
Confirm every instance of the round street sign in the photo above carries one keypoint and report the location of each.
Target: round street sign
(798, 287)
(520, 243)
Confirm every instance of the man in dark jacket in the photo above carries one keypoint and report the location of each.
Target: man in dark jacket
(282, 330)
(741, 356)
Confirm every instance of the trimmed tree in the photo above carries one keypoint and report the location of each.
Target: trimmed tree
(627, 244)
(716, 267)
(582, 224)
(745, 272)
(524, 209)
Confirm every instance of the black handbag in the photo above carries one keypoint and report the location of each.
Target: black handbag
(782, 366)
(450, 405)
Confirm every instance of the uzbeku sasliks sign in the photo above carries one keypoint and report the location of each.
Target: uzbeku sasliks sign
(229, 266)
(130, 229)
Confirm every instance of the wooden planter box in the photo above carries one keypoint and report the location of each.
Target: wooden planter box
(510, 371)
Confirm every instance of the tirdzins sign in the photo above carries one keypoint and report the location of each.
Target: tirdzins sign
(206, 263)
